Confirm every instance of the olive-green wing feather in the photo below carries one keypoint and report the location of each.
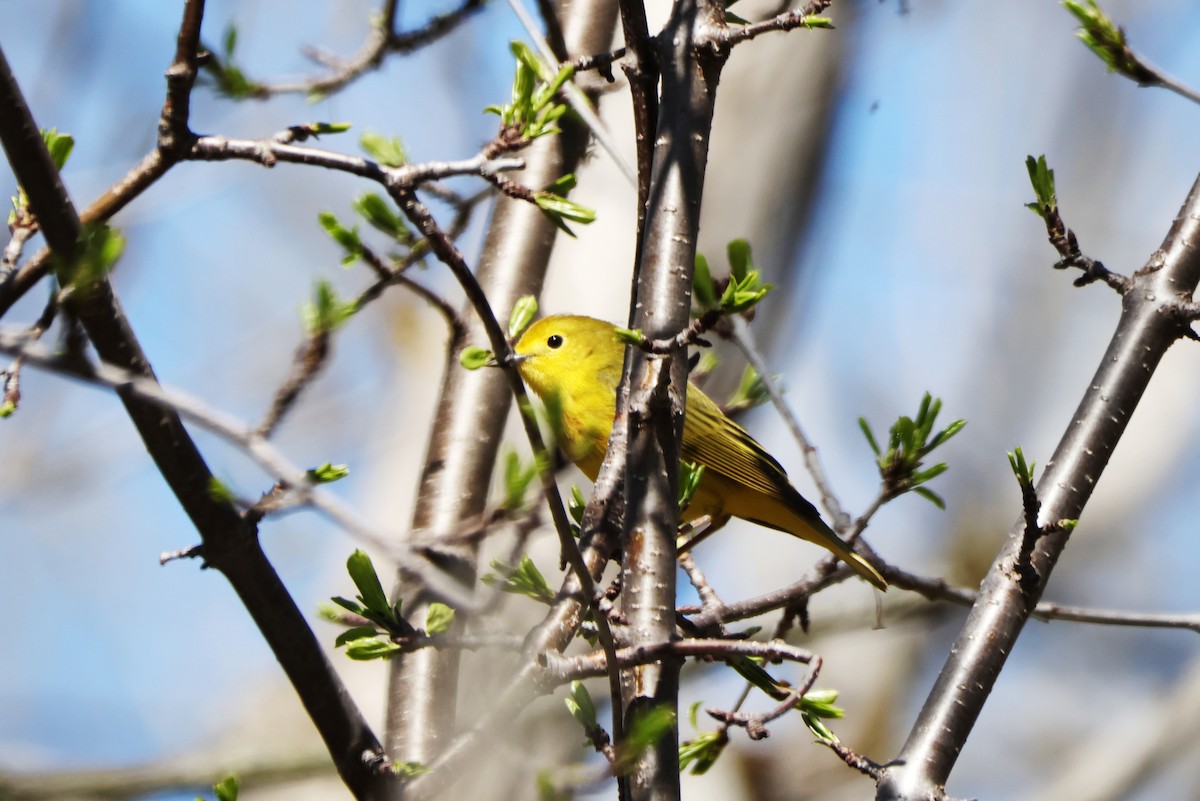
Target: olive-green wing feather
(722, 446)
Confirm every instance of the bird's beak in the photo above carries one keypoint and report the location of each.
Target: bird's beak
(514, 359)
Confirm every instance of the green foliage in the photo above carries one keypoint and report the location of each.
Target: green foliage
(630, 336)
(533, 111)
(817, 706)
(228, 78)
(59, 145)
(473, 357)
(523, 312)
(366, 642)
(385, 623)
(517, 478)
(1021, 469)
(326, 312)
(910, 440)
(744, 288)
(1042, 178)
(439, 618)
(689, 481)
(219, 491)
(522, 578)
(553, 202)
(315, 129)
(379, 215)
(1107, 40)
(328, 473)
(370, 589)
(579, 703)
(408, 770)
(751, 392)
(97, 253)
(701, 752)
(225, 790)
(7, 409)
(644, 732)
(703, 288)
(388, 151)
(547, 790)
(346, 237)
(576, 505)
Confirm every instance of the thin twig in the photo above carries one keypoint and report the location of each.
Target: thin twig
(247, 439)
(574, 96)
(786, 21)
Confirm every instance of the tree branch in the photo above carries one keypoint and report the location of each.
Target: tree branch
(1142, 336)
(231, 544)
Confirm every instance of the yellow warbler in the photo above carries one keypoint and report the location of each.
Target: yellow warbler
(579, 360)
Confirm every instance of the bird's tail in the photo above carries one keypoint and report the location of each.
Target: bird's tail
(829, 539)
(812, 528)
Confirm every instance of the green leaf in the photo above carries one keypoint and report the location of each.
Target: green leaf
(739, 259)
(517, 479)
(98, 251)
(439, 618)
(60, 146)
(704, 291)
(229, 41)
(822, 703)
(355, 633)
(219, 491)
(7, 409)
(521, 579)
(1107, 40)
(630, 336)
(408, 770)
(743, 293)
(1021, 469)
(751, 392)
(946, 433)
(379, 215)
(346, 237)
(689, 481)
(1042, 179)
(328, 473)
(318, 128)
(353, 607)
(576, 505)
(754, 673)
(928, 473)
(560, 211)
(645, 731)
(931, 496)
(473, 357)
(326, 312)
(547, 790)
(366, 649)
(388, 151)
(523, 312)
(370, 590)
(226, 789)
(525, 55)
(702, 751)
(579, 702)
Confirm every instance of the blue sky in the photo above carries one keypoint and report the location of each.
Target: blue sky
(929, 275)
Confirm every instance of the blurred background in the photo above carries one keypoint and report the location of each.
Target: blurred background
(879, 172)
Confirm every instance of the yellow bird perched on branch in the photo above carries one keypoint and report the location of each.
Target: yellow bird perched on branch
(578, 360)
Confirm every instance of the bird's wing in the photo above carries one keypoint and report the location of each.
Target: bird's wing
(721, 445)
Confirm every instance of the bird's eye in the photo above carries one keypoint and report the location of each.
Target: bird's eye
(555, 341)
